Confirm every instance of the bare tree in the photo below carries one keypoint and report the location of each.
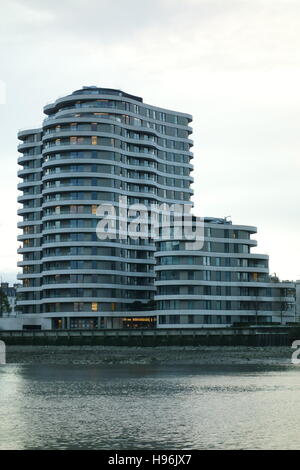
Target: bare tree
(4, 304)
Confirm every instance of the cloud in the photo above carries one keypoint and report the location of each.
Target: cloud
(217, 34)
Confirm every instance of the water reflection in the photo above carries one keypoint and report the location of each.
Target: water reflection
(136, 407)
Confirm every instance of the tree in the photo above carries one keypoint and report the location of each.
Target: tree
(136, 306)
(4, 304)
(283, 309)
(151, 304)
(257, 308)
(284, 306)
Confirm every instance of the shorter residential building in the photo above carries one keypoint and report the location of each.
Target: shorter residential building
(223, 283)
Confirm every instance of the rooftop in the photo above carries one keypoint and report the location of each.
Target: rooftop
(105, 91)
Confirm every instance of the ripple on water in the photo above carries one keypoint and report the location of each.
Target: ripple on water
(138, 407)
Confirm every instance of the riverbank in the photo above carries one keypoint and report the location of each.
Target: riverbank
(200, 355)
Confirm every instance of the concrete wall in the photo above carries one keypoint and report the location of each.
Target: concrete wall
(267, 336)
(17, 323)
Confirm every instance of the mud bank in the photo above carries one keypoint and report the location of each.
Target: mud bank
(201, 355)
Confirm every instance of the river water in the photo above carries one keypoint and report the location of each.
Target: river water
(149, 407)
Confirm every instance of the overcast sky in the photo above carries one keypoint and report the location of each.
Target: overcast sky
(233, 64)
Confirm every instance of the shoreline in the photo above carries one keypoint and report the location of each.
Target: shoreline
(168, 355)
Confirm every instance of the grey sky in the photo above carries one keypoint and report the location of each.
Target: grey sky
(233, 64)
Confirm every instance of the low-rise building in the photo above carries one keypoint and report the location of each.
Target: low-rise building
(11, 293)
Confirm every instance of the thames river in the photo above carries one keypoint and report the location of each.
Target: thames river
(149, 407)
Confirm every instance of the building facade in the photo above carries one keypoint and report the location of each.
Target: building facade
(95, 148)
(221, 284)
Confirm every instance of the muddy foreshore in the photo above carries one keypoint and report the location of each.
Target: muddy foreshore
(200, 355)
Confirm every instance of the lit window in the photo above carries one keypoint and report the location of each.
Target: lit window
(94, 140)
(94, 306)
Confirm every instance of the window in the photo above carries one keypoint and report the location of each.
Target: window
(94, 140)
(137, 122)
(174, 319)
(207, 290)
(78, 306)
